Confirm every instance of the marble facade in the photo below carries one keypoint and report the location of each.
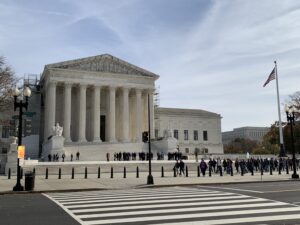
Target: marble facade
(99, 99)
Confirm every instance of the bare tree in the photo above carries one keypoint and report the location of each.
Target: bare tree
(294, 99)
(7, 84)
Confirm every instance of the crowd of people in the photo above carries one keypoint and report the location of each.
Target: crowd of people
(127, 156)
(241, 165)
(56, 157)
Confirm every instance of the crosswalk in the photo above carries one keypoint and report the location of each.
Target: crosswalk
(172, 205)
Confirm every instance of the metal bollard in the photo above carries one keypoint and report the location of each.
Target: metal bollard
(72, 173)
(21, 171)
(9, 173)
(186, 171)
(174, 169)
(124, 175)
(198, 171)
(85, 173)
(209, 171)
(287, 169)
(137, 172)
(271, 170)
(99, 172)
(59, 173)
(262, 171)
(162, 172)
(46, 176)
(111, 172)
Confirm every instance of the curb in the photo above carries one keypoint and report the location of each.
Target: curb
(140, 187)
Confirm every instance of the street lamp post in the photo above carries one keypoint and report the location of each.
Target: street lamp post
(290, 115)
(20, 104)
(150, 177)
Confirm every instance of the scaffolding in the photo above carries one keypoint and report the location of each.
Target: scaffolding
(156, 113)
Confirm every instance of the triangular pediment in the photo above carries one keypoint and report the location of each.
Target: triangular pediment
(102, 63)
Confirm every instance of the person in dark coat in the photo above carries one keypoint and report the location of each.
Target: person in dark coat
(181, 167)
(77, 155)
(203, 167)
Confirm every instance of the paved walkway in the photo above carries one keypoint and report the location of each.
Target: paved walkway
(118, 182)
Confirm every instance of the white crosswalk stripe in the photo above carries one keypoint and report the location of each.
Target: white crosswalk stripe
(173, 205)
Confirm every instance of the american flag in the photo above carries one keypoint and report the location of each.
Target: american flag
(271, 77)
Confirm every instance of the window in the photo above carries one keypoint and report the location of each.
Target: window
(4, 150)
(176, 134)
(187, 150)
(205, 137)
(5, 132)
(186, 135)
(156, 133)
(195, 135)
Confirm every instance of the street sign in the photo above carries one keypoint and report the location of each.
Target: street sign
(21, 152)
(29, 114)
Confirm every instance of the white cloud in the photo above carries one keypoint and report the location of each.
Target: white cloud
(213, 55)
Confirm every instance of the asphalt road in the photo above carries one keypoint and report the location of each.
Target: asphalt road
(36, 209)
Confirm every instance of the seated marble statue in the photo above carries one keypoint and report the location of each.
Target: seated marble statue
(168, 133)
(57, 130)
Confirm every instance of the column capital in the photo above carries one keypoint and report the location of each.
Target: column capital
(68, 84)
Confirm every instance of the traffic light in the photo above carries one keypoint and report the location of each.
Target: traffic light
(145, 136)
(27, 127)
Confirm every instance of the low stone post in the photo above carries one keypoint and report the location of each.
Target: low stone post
(198, 171)
(46, 176)
(186, 171)
(111, 172)
(98, 172)
(85, 173)
(162, 172)
(72, 173)
(137, 172)
(59, 173)
(124, 175)
(9, 173)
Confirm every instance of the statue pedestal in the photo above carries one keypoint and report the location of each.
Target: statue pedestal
(53, 146)
(12, 159)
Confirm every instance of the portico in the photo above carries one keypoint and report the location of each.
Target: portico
(97, 100)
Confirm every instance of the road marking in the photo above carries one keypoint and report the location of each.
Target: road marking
(235, 189)
(182, 210)
(147, 196)
(172, 206)
(156, 201)
(184, 197)
(288, 190)
(166, 205)
(239, 220)
(195, 215)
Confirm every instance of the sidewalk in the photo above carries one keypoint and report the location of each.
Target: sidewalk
(118, 182)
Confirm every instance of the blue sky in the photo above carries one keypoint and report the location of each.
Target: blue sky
(211, 55)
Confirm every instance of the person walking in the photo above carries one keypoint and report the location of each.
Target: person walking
(71, 157)
(203, 167)
(77, 155)
(181, 167)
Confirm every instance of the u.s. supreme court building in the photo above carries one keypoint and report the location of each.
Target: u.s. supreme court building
(101, 103)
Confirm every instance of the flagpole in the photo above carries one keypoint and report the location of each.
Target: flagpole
(282, 152)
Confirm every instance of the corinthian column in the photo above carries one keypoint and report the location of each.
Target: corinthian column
(125, 116)
(112, 114)
(138, 120)
(82, 113)
(96, 114)
(67, 112)
(50, 109)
